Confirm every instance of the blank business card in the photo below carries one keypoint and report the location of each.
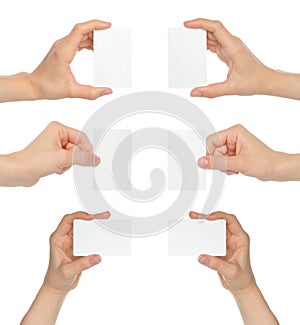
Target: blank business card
(112, 57)
(89, 237)
(195, 237)
(187, 57)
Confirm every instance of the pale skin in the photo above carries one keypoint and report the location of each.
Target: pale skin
(247, 75)
(55, 150)
(235, 150)
(235, 272)
(63, 274)
(53, 78)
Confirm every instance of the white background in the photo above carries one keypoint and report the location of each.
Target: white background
(149, 287)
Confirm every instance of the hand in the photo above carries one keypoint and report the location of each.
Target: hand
(236, 150)
(55, 150)
(64, 269)
(234, 269)
(235, 272)
(246, 76)
(53, 78)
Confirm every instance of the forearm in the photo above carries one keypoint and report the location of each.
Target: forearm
(286, 167)
(15, 170)
(45, 308)
(17, 87)
(8, 170)
(254, 308)
(282, 84)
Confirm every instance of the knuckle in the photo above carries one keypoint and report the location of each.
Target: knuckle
(91, 94)
(237, 39)
(218, 23)
(55, 45)
(58, 51)
(210, 93)
(247, 238)
(83, 264)
(53, 239)
(77, 27)
(238, 127)
(65, 217)
(53, 125)
(233, 216)
(209, 139)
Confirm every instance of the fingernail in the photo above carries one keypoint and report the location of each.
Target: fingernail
(203, 162)
(195, 93)
(203, 260)
(95, 260)
(107, 92)
(194, 215)
(102, 215)
(96, 160)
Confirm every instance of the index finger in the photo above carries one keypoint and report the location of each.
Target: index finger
(80, 139)
(232, 222)
(89, 26)
(215, 141)
(223, 36)
(81, 29)
(66, 224)
(76, 137)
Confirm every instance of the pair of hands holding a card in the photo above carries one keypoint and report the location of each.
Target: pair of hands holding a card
(53, 78)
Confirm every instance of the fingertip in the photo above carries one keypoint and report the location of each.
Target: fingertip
(194, 215)
(97, 160)
(204, 260)
(94, 260)
(107, 91)
(196, 93)
(203, 162)
(102, 215)
(104, 24)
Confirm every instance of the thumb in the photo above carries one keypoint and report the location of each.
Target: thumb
(217, 264)
(213, 90)
(83, 158)
(222, 163)
(89, 92)
(83, 263)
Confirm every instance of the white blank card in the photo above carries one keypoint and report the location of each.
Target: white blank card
(195, 237)
(112, 57)
(91, 238)
(187, 57)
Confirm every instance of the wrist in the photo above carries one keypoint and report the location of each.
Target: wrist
(53, 292)
(249, 290)
(9, 171)
(281, 83)
(268, 82)
(286, 167)
(25, 87)
(15, 171)
(33, 90)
